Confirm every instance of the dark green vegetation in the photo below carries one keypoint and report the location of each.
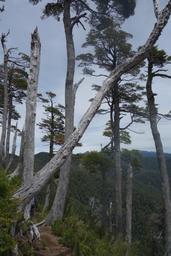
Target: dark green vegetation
(88, 226)
(89, 198)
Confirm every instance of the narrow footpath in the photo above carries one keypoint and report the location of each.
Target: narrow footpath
(49, 244)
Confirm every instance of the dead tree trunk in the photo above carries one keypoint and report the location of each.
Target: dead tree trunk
(129, 191)
(42, 177)
(5, 105)
(19, 168)
(58, 206)
(160, 157)
(8, 127)
(13, 149)
(47, 197)
(31, 101)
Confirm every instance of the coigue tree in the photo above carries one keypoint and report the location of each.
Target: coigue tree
(53, 124)
(157, 60)
(110, 48)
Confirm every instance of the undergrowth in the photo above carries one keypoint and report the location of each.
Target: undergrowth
(84, 241)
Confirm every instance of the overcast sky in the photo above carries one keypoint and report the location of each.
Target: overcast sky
(21, 18)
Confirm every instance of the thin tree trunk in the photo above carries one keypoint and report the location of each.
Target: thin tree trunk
(42, 177)
(51, 146)
(31, 101)
(8, 128)
(160, 157)
(129, 191)
(19, 169)
(13, 149)
(104, 202)
(5, 105)
(117, 158)
(57, 210)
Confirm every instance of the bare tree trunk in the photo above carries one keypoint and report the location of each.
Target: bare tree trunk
(5, 105)
(57, 210)
(8, 128)
(104, 202)
(42, 177)
(160, 157)
(129, 191)
(47, 197)
(13, 149)
(118, 171)
(31, 101)
(19, 168)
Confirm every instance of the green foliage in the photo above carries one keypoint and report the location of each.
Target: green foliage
(53, 124)
(158, 57)
(124, 7)
(84, 241)
(8, 213)
(97, 161)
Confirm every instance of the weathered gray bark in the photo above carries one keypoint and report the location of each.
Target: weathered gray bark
(129, 191)
(47, 197)
(31, 101)
(19, 169)
(117, 158)
(57, 210)
(13, 148)
(160, 157)
(42, 177)
(5, 105)
(8, 128)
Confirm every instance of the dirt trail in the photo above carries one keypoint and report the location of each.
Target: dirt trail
(49, 244)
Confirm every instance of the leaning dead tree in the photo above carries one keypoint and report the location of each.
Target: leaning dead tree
(43, 176)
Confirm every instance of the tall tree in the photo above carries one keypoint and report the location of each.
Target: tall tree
(53, 124)
(158, 58)
(13, 83)
(111, 47)
(17, 85)
(30, 119)
(5, 101)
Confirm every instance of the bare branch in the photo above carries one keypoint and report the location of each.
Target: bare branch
(76, 19)
(135, 131)
(76, 85)
(161, 75)
(128, 125)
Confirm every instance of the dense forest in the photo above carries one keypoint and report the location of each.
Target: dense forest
(111, 201)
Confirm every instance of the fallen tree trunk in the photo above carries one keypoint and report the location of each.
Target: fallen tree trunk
(43, 176)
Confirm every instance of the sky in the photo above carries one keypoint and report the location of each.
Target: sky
(21, 18)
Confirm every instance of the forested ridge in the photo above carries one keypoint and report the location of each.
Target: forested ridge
(111, 201)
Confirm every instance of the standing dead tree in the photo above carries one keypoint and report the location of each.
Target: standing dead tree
(30, 119)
